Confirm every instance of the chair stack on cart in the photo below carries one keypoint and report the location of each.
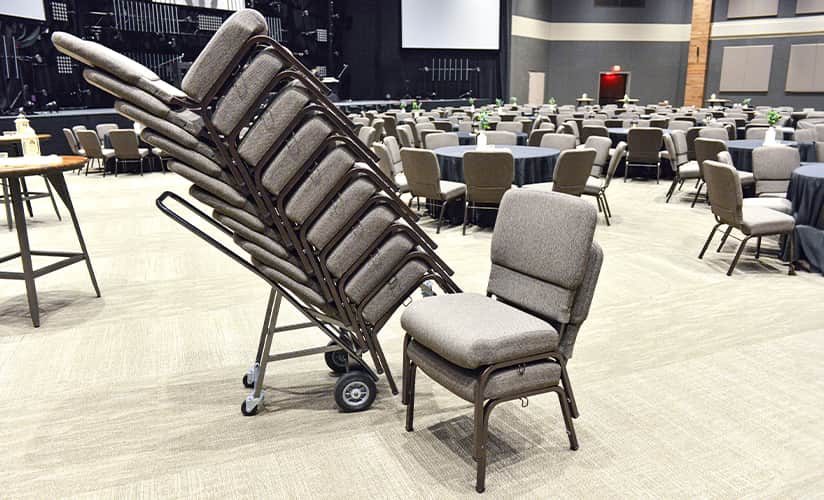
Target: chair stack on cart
(289, 182)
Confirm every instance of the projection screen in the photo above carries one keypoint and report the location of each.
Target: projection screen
(450, 24)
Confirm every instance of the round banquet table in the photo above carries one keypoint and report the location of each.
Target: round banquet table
(469, 138)
(741, 152)
(806, 192)
(788, 133)
(532, 165)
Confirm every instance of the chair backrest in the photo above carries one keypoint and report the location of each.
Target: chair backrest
(367, 135)
(679, 140)
(360, 121)
(573, 128)
(501, 138)
(707, 150)
(406, 136)
(805, 135)
(384, 159)
(72, 141)
(442, 140)
(724, 191)
(124, 142)
(593, 122)
(465, 126)
(544, 259)
(718, 133)
(601, 145)
(572, 171)
(659, 122)
(390, 125)
(78, 128)
(755, 133)
(614, 161)
(680, 125)
(422, 172)
(514, 127)
(103, 129)
(772, 167)
(488, 175)
(692, 134)
(443, 126)
(90, 143)
(593, 130)
(644, 145)
(561, 142)
(819, 133)
(614, 123)
(536, 135)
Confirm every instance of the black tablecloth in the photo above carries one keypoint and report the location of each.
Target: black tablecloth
(741, 152)
(532, 165)
(468, 139)
(806, 191)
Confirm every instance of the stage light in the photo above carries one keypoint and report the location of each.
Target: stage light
(616, 68)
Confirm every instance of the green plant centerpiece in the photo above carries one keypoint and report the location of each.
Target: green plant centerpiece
(471, 101)
(499, 102)
(403, 107)
(552, 101)
(513, 100)
(773, 117)
(746, 102)
(483, 120)
(416, 106)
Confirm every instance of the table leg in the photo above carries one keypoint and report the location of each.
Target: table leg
(59, 182)
(25, 251)
(7, 202)
(26, 193)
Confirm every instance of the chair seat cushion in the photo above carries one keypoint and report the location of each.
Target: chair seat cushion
(452, 190)
(757, 221)
(540, 186)
(773, 195)
(746, 178)
(472, 330)
(689, 170)
(593, 186)
(782, 205)
(502, 383)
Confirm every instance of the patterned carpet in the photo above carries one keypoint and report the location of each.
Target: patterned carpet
(690, 384)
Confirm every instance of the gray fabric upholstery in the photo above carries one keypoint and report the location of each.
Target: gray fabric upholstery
(307, 294)
(378, 266)
(773, 166)
(561, 142)
(269, 241)
(397, 288)
(539, 262)
(218, 188)
(165, 128)
(317, 185)
(502, 383)
(502, 138)
(243, 215)
(115, 63)
(288, 267)
(333, 218)
(245, 90)
(220, 50)
(359, 238)
(294, 154)
(189, 157)
(759, 221)
(472, 330)
(583, 299)
(272, 123)
(782, 205)
(435, 141)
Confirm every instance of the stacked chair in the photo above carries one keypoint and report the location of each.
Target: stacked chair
(289, 182)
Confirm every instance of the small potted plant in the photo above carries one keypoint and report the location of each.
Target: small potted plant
(403, 107)
(745, 103)
(773, 117)
(483, 125)
(552, 104)
(499, 103)
(416, 108)
(472, 104)
(513, 100)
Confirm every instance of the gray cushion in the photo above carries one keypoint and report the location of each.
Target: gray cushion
(471, 330)
(268, 240)
(289, 267)
(245, 215)
(294, 154)
(746, 178)
(593, 186)
(245, 90)
(215, 186)
(186, 155)
(307, 294)
(396, 289)
(341, 210)
(377, 267)
(272, 123)
(318, 184)
(452, 190)
(165, 128)
(689, 170)
(507, 382)
(782, 205)
(757, 221)
(221, 49)
(360, 237)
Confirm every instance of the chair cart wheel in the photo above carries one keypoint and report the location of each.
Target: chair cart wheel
(248, 382)
(337, 361)
(355, 391)
(250, 406)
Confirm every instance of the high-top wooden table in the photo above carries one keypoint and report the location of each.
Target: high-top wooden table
(53, 171)
(12, 141)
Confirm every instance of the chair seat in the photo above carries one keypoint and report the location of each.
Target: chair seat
(401, 182)
(773, 195)
(593, 186)
(757, 221)
(746, 178)
(689, 170)
(502, 383)
(452, 190)
(539, 186)
(782, 205)
(472, 330)
(108, 153)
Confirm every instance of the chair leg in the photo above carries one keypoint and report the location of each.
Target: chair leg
(410, 401)
(51, 196)
(738, 255)
(709, 238)
(658, 173)
(672, 189)
(602, 201)
(626, 171)
(440, 217)
(791, 236)
(116, 165)
(606, 203)
(697, 193)
(573, 406)
(724, 239)
(481, 433)
(466, 214)
(758, 247)
(565, 411)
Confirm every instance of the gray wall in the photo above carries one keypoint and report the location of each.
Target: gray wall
(776, 96)
(657, 68)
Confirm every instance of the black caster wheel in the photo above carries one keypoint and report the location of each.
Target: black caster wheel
(249, 411)
(248, 382)
(337, 361)
(355, 391)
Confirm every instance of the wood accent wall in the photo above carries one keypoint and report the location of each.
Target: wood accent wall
(698, 52)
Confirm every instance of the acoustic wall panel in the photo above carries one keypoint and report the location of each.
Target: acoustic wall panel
(737, 9)
(806, 69)
(746, 69)
(809, 7)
